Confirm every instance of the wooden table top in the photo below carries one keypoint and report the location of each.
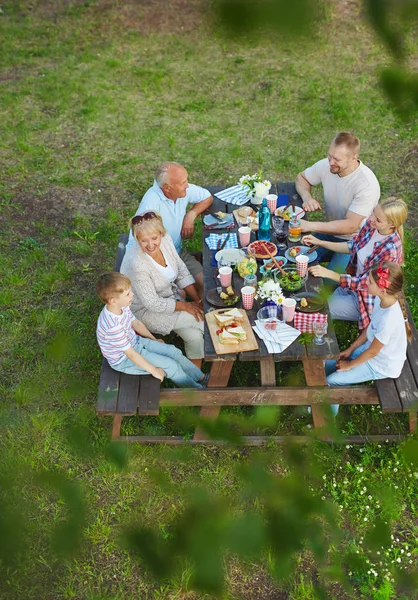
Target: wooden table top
(297, 350)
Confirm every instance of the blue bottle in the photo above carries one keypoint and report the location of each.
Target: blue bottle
(264, 221)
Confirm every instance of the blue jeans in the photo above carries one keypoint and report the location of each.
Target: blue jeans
(337, 262)
(360, 374)
(175, 365)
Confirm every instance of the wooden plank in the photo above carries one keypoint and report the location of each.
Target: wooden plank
(128, 394)
(254, 440)
(388, 395)
(149, 395)
(407, 388)
(412, 349)
(268, 396)
(123, 240)
(108, 389)
(117, 421)
(268, 372)
(244, 346)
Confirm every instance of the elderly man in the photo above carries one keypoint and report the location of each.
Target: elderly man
(169, 196)
(351, 191)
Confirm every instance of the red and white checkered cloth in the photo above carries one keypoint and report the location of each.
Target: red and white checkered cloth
(303, 321)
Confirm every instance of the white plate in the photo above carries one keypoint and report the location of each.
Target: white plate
(230, 256)
(300, 213)
(312, 256)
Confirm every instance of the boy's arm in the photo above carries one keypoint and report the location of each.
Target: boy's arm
(142, 363)
(141, 330)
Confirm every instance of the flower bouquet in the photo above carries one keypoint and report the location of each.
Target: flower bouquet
(269, 291)
(257, 188)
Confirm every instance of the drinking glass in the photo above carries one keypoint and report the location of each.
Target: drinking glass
(319, 329)
(280, 230)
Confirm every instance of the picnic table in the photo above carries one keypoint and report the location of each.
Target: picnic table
(311, 355)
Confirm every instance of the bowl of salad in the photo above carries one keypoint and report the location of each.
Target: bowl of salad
(292, 281)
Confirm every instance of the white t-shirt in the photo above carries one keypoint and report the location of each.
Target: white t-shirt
(358, 192)
(115, 334)
(367, 250)
(388, 326)
(167, 271)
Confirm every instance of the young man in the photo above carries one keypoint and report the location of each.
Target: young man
(169, 196)
(127, 344)
(351, 191)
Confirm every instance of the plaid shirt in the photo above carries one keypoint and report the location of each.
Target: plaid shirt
(388, 249)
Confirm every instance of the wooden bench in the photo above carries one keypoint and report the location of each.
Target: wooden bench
(401, 394)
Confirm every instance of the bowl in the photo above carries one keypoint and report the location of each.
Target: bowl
(267, 261)
(290, 286)
(270, 317)
(229, 256)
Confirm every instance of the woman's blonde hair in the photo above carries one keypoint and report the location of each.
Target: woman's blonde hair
(396, 212)
(395, 278)
(147, 226)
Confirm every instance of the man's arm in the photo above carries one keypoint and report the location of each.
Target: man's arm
(303, 188)
(142, 363)
(190, 218)
(344, 226)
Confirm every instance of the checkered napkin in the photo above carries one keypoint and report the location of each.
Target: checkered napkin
(278, 339)
(237, 195)
(303, 321)
(213, 238)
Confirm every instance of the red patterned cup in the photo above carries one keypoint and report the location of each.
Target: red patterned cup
(247, 295)
(302, 264)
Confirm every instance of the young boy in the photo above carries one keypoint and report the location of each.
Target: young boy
(127, 344)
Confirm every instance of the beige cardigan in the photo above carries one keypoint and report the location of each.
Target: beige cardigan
(154, 301)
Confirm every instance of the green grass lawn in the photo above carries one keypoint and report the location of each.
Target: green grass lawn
(94, 95)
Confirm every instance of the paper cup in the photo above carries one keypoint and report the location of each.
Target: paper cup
(225, 275)
(288, 306)
(302, 264)
(272, 202)
(247, 294)
(244, 236)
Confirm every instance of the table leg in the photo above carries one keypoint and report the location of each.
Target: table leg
(268, 372)
(413, 421)
(315, 375)
(117, 421)
(219, 377)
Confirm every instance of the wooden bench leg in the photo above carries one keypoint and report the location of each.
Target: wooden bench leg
(315, 375)
(268, 372)
(117, 421)
(412, 422)
(219, 377)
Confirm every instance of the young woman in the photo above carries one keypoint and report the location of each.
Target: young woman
(380, 239)
(160, 282)
(380, 350)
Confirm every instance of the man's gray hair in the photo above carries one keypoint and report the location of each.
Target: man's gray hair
(161, 174)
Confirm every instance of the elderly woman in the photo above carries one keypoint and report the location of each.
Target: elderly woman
(380, 239)
(160, 282)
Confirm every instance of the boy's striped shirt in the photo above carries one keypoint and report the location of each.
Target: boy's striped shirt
(115, 334)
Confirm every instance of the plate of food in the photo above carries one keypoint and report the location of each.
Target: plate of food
(292, 281)
(224, 298)
(309, 302)
(292, 253)
(259, 249)
(229, 256)
(270, 267)
(287, 214)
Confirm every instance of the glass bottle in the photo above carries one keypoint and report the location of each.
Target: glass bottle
(295, 229)
(264, 221)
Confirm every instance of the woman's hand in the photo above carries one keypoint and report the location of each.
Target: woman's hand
(310, 240)
(345, 354)
(344, 365)
(318, 271)
(191, 307)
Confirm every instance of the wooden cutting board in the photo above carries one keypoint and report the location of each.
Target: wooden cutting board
(249, 344)
(243, 221)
